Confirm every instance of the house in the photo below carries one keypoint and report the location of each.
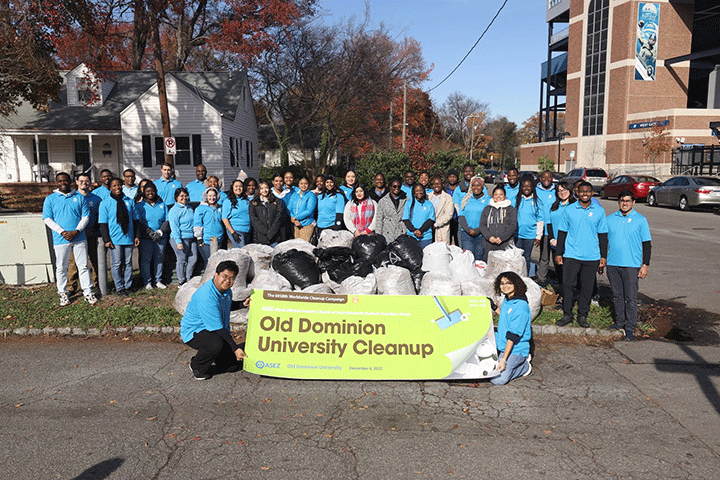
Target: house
(114, 122)
(270, 149)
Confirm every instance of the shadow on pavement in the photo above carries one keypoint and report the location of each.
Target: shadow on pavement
(101, 470)
(702, 371)
(676, 321)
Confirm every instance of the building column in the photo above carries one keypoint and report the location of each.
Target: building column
(713, 98)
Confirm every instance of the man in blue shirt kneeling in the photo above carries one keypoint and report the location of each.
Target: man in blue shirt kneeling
(206, 325)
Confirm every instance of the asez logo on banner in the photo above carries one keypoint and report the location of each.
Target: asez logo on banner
(260, 364)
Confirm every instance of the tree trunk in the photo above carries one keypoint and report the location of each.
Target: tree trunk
(160, 74)
(139, 41)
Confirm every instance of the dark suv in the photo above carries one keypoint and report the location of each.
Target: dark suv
(597, 177)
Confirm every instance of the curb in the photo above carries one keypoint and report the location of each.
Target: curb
(95, 332)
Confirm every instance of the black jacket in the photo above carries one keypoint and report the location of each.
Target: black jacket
(266, 221)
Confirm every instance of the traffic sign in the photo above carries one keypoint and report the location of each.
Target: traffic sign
(170, 146)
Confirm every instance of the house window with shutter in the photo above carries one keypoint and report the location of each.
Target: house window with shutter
(82, 151)
(40, 152)
(189, 150)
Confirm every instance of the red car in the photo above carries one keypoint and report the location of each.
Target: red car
(639, 185)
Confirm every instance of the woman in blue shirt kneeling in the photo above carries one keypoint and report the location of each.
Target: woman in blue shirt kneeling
(513, 330)
(419, 216)
(236, 215)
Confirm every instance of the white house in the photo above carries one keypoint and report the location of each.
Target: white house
(116, 124)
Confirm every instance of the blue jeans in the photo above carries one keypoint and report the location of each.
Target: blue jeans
(244, 239)
(425, 243)
(515, 367)
(526, 245)
(151, 260)
(473, 244)
(121, 267)
(186, 258)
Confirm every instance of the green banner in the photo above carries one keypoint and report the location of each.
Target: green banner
(369, 337)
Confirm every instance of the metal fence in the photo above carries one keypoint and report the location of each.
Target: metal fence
(696, 160)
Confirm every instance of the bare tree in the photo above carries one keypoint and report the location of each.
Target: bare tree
(454, 114)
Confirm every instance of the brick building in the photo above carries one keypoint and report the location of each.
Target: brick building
(618, 68)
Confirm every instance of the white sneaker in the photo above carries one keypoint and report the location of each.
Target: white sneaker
(91, 298)
(148, 286)
(160, 285)
(64, 300)
(529, 371)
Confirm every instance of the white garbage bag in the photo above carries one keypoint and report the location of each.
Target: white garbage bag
(185, 293)
(239, 316)
(534, 297)
(237, 255)
(318, 288)
(462, 267)
(438, 284)
(261, 258)
(335, 238)
(394, 280)
(359, 285)
(480, 287)
(510, 260)
(326, 280)
(436, 258)
(295, 244)
(270, 280)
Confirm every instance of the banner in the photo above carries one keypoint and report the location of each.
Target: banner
(647, 38)
(369, 337)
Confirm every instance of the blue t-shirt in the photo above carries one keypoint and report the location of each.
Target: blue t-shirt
(547, 196)
(626, 234)
(554, 218)
(210, 218)
(421, 212)
(166, 190)
(511, 192)
(347, 191)
(66, 210)
(407, 189)
(302, 207)
(182, 219)
(528, 215)
(473, 209)
(108, 214)
(582, 226)
(514, 318)
(93, 203)
(130, 191)
(102, 191)
(208, 310)
(222, 197)
(151, 215)
(239, 215)
(195, 189)
(328, 207)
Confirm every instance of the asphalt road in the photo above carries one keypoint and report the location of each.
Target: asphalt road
(95, 409)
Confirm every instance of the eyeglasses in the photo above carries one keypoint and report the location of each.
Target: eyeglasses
(394, 186)
(505, 282)
(629, 200)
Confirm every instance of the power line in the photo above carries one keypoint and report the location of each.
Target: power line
(472, 48)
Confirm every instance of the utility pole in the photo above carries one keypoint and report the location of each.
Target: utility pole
(160, 73)
(391, 124)
(404, 113)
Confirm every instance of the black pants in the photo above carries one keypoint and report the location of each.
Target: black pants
(211, 348)
(584, 272)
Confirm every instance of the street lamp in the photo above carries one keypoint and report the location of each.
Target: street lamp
(560, 139)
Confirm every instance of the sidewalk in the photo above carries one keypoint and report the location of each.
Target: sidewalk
(130, 410)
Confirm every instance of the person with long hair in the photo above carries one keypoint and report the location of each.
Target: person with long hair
(513, 330)
(302, 207)
(182, 218)
(331, 206)
(214, 182)
(153, 233)
(284, 194)
(350, 182)
(444, 209)
(563, 197)
(236, 215)
(531, 219)
(319, 184)
(470, 212)
(388, 218)
(115, 217)
(207, 223)
(419, 216)
(139, 194)
(265, 215)
(359, 213)
(498, 223)
(251, 186)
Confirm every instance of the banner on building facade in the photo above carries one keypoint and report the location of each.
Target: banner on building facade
(369, 337)
(647, 41)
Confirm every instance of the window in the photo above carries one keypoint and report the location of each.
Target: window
(595, 67)
(82, 151)
(189, 150)
(41, 156)
(249, 153)
(235, 151)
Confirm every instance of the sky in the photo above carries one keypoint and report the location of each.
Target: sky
(503, 69)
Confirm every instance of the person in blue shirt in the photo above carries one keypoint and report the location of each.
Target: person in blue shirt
(628, 260)
(471, 208)
(66, 213)
(563, 197)
(139, 194)
(513, 331)
(330, 206)
(350, 183)
(153, 230)
(129, 187)
(197, 187)
(116, 217)
(92, 232)
(408, 182)
(205, 326)
(302, 207)
(419, 216)
(182, 219)
(207, 223)
(103, 191)
(513, 185)
(251, 186)
(530, 218)
(581, 250)
(424, 180)
(214, 182)
(236, 215)
(546, 193)
(166, 185)
(289, 182)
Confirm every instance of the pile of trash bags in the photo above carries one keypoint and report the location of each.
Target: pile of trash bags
(364, 265)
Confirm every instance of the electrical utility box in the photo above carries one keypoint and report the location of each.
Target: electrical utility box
(26, 256)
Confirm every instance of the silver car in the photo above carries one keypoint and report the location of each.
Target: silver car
(597, 177)
(685, 192)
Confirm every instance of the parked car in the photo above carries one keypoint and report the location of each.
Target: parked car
(534, 174)
(490, 175)
(639, 185)
(685, 192)
(597, 177)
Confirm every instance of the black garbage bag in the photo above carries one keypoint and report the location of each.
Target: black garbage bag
(299, 268)
(407, 252)
(417, 277)
(341, 271)
(363, 269)
(383, 259)
(329, 259)
(367, 247)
